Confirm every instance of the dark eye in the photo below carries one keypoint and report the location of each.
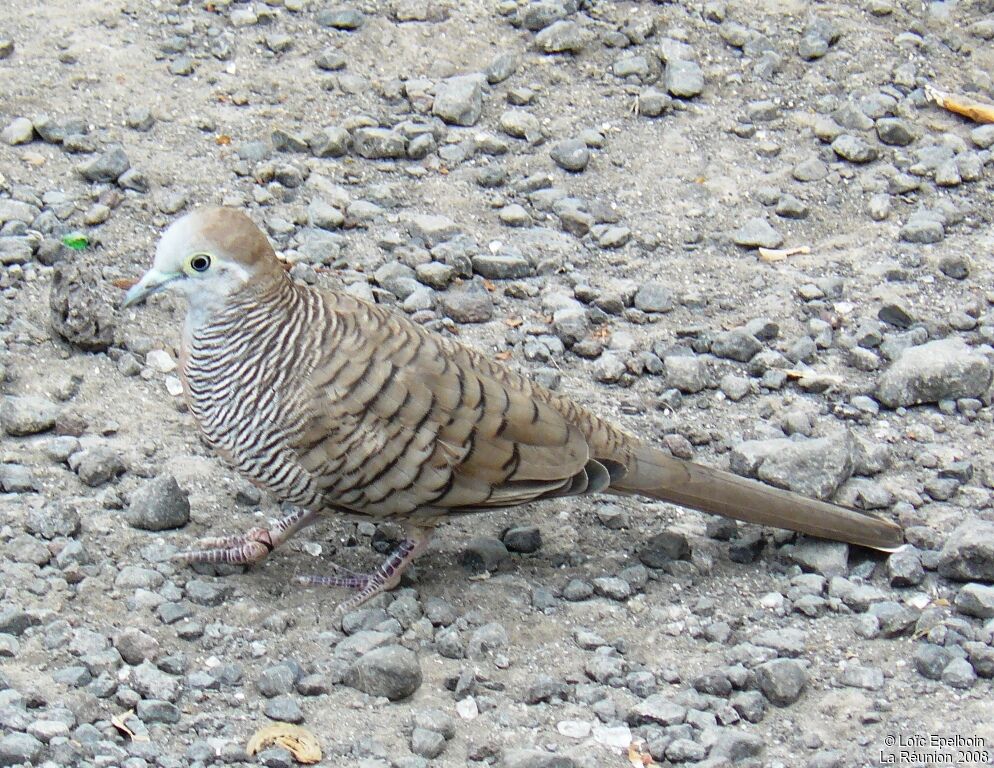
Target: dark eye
(200, 263)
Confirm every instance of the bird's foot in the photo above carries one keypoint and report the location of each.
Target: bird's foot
(249, 548)
(384, 578)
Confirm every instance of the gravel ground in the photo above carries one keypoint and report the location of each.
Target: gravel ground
(581, 189)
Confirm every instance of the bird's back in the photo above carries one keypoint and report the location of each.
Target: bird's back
(407, 421)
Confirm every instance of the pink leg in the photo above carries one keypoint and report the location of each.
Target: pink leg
(252, 547)
(384, 578)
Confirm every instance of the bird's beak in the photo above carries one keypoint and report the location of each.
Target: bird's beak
(152, 281)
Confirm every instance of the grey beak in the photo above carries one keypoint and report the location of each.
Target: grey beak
(152, 281)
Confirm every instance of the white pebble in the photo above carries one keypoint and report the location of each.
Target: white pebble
(574, 729)
(160, 360)
(467, 709)
(613, 736)
(173, 386)
(772, 600)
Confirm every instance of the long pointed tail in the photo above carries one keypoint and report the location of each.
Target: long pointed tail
(660, 476)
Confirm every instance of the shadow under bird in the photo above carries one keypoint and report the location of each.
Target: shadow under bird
(336, 405)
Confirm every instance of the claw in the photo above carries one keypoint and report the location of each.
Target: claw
(249, 549)
(355, 581)
(246, 553)
(384, 578)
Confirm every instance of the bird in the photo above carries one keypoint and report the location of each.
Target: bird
(336, 405)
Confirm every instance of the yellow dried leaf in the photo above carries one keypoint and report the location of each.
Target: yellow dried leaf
(779, 254)
(124, 283)
(638, 757)
(222, 140)
(634, 756)
(961, 105)
(300, 742)
(120, 721)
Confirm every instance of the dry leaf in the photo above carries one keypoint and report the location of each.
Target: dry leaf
(502, 356)
(490, 285)
(813, 381)
(961, 105)
(124, 283)
(222, 140)
(483, 576)
(301, 743)
(637, 757)
(779, 254)
(513, 322)
(119, 721)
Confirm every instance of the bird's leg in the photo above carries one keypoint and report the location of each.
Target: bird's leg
(252, 547)
(386, 577)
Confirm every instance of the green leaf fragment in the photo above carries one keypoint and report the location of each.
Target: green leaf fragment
(76, 241)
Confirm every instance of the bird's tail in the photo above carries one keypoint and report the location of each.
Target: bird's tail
(654, 473)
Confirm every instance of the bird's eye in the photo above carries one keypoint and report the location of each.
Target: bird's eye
(201, 262)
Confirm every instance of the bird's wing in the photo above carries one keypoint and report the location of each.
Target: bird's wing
(403, 420)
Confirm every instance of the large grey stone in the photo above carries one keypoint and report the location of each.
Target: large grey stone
(684, 79)
(811, 467)
(468, 304)
(159, 505)
(976, 600)
(782, 681)
(379, 143)
(938, 370)
(19, 749)
(968, 554)
(687, 373)
(391, 671)
(757, 233)
(27, 415)
(657, 709)
(561, 37)
(536, 758)
(432, 229)
(459, 100)
(654, 297)
(106, 167)
(16, 210)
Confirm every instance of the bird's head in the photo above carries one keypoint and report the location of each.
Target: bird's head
(208, 255)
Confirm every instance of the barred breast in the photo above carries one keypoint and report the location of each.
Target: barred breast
(243, 370)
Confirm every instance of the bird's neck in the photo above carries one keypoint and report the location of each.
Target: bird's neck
(271, 294)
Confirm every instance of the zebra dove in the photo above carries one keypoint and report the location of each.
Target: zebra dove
(337, 405)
